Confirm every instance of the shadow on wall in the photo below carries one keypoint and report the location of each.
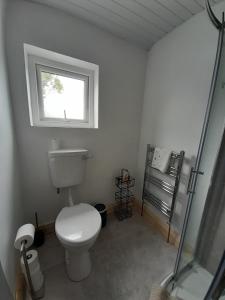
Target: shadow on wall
(4, 288)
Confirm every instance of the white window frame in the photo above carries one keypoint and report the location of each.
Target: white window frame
(38, 59)
(39, 69)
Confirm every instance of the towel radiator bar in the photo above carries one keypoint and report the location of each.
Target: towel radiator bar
(173, 172)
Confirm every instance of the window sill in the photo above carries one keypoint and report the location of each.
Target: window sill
(64, 125)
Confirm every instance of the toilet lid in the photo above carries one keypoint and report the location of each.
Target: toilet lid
(78, 223)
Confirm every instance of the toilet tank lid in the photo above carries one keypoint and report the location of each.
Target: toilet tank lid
(67, 152)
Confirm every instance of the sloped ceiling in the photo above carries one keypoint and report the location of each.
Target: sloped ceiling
(142, 22)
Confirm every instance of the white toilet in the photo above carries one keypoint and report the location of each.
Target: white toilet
(77, 226)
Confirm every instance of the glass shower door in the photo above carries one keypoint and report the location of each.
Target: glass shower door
(201, 177)
(204, 240)
(216, 124)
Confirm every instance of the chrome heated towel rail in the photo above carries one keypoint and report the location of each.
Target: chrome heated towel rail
(171, 189)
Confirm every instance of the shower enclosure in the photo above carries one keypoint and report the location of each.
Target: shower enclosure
(203, 235)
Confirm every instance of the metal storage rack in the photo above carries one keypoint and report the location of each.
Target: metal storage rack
(173, 171)
(124, 197)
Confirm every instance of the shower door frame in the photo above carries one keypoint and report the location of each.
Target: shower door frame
(195, 172)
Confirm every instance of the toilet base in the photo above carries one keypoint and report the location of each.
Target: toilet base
(78, 265)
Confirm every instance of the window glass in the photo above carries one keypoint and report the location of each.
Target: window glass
(63, 97)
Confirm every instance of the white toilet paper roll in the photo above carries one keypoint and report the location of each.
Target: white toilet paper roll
(32, 260)
(35, 270)
(24, 233)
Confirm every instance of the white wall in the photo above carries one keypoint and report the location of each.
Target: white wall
(177, 86)
(10, 205)
(4, 287)
(114, 145)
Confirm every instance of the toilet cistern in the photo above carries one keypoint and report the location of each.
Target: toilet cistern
(67, 167)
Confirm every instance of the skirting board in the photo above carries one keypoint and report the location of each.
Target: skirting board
(48, 228)
(158, 223)
(20, 291)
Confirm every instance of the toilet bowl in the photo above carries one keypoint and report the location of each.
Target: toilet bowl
(77, 229)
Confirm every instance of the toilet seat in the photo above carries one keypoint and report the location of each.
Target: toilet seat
(77, 224)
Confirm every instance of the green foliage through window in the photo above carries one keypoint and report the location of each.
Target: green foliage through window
(50, 82)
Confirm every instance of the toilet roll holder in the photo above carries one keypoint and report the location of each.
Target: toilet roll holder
(23, 253)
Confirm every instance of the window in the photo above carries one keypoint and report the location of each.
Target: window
(62, 91)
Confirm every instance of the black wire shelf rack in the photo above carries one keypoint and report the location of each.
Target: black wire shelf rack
(124, 197)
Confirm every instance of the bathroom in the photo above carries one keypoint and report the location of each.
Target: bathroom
(156, 64)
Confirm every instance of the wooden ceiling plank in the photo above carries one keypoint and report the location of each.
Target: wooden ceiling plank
(201, 2)
(191, 5)
(107, 14)
(114, 9)
(133, 17)
(162, 11)
(125, 13)
(177, 8)
(146, 14)
(101, 22)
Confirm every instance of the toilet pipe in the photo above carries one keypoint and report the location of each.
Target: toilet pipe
(70, 197)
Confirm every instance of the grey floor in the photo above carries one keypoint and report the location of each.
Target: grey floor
(127, 258)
